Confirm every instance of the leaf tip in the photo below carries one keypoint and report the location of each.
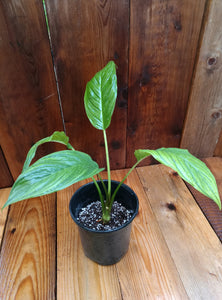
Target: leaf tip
(219, 204)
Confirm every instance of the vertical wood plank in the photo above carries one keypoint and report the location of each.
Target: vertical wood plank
(85, 36)
(27, 260)
(204, 119)
(77, 276)
(6, 179)
(29, 108)
(218, 149)
(3, 213)
(163, 42)
(195, 248)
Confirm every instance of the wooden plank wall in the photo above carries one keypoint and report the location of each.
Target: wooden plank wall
(29, 108)
(157, 46)
(164, 38)
(204, 119)
(85, 36)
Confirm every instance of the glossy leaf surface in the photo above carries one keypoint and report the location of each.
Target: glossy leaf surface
(100, 96)
(190, 168)
(57, 136)
(52, 173)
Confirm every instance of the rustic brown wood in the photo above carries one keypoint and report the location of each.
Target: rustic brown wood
(147, 271)
(6, 179)
(204, 120)
(27, 260)
(3, 214)
(218, 149)
(85, 36)
(209, 208)
(29, 108)
(195, 248)
(77, 276)
(163, 41)
(173, 254)
(161, 38)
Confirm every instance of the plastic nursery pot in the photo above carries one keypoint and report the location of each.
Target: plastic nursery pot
(104, 247)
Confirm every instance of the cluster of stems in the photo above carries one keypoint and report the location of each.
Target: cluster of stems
(109, 197)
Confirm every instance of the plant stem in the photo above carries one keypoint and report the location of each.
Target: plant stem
(119, 185)
(103, 184)
(108, 167)
(105, 208)
(100, 194)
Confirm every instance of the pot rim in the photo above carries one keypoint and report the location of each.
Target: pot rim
(125, 186)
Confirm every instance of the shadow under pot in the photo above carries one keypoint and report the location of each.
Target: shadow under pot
(106, 247)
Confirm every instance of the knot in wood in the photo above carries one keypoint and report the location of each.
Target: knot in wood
(211, 61)
(171, 206)
(175, 174)
(177, 25)
(13, 230)
(216, 115)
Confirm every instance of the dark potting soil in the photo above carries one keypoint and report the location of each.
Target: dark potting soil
(91, 216)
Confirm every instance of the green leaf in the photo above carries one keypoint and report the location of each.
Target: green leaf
(100, 96)
(57, 136)
(190, 168)
(52, 173)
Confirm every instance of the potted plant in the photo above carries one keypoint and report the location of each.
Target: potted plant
(104, 240)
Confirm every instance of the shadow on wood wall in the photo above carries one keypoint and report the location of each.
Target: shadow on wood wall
(168, 54)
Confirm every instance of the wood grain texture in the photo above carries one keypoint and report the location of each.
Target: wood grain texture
(27, 259)
(85, 36)
(163, 41)
(204, 119)
(218, 149)
(29, 108)
(77, 276)
(173, 253)
(6, 179)
(195, 248)
(209, 208)
(4, 193)
(147, 271)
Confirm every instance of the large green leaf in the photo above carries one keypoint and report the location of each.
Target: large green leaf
(52, 173)
(190, 168)
(57, 136)
(100, 96)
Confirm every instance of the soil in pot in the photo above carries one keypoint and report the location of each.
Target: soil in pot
(91, 216)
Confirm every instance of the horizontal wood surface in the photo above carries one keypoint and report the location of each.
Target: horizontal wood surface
(194, 247)
(28, 252)
(209, 208)
(148, 266)
(174, 252)
(78, 277)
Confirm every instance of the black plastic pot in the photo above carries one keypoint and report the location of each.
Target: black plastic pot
(104, 247)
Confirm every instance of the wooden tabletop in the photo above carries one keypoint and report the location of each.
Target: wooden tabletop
(174, 252)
